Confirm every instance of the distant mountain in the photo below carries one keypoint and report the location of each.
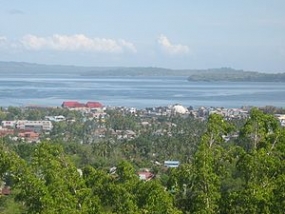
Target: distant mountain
(12, 68)
(220, 74)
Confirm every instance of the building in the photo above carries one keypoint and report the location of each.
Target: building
(6, 131)
(9, 124)
(171, 164)
(281, 118)
(5, 190)
(29, 136)
(37, 126)
(72, 104)
(145, 175)
(55, 118)
(93, 105)
(78, 105)
(179, 109)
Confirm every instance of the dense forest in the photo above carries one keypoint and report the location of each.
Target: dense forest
(63, 174)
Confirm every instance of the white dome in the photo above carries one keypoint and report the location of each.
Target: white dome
(180, 109)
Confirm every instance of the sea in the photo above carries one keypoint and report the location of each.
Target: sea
(138, 92)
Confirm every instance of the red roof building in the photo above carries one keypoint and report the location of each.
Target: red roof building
(72, 104)
(94, 105)
(5, 190)
(145, 176)
(29, 136)
(75, 104)
(4, 132)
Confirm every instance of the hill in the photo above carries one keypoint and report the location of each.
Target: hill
(23, 69)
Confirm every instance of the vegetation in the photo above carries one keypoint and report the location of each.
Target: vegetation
(231, 75)
(21, 69)
(70, 172)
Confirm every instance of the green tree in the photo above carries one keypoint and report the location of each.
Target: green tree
(199, 184)
(152, 198)
(50, 183)
(260, 165)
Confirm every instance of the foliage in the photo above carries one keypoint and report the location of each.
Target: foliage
(229, 74)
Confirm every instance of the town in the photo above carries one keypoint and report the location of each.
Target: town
(46, 125)
(146, 145)
(32, 131)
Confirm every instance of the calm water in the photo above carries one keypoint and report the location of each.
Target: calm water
(137, 92)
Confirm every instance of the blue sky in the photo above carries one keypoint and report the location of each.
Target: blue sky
(244, 34)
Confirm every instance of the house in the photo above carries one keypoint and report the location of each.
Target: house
(113, 170)
(171, 164)
(124, 134)
(132, 110)
(29, 136)
(5, 190)
(99, 115)
(281, 118)
(145, 175)
(100, 132)
(5, 131)
(55, 118)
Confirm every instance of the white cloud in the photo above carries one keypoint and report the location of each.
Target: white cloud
(78, 42)
(3, 41)
(170, 48)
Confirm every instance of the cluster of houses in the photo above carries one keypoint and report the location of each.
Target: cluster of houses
(31, 130)
(201, 112)
(231, 113)
(25, 129)
(95, 110)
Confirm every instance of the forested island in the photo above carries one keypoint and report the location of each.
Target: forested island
(232, 75)
(115, 160)
(219, 74)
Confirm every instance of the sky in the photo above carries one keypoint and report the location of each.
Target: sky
(181, 34)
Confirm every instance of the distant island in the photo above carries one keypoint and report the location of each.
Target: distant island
(232, 75)
(207, 75)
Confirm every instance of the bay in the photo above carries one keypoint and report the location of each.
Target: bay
(139, 92)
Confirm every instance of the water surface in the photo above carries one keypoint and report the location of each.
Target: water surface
(137, 92)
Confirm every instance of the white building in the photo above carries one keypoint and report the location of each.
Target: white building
(281, 118)
(35, 125)
(41, 125)
(9, 124)
(179, 109)
(55, 118)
